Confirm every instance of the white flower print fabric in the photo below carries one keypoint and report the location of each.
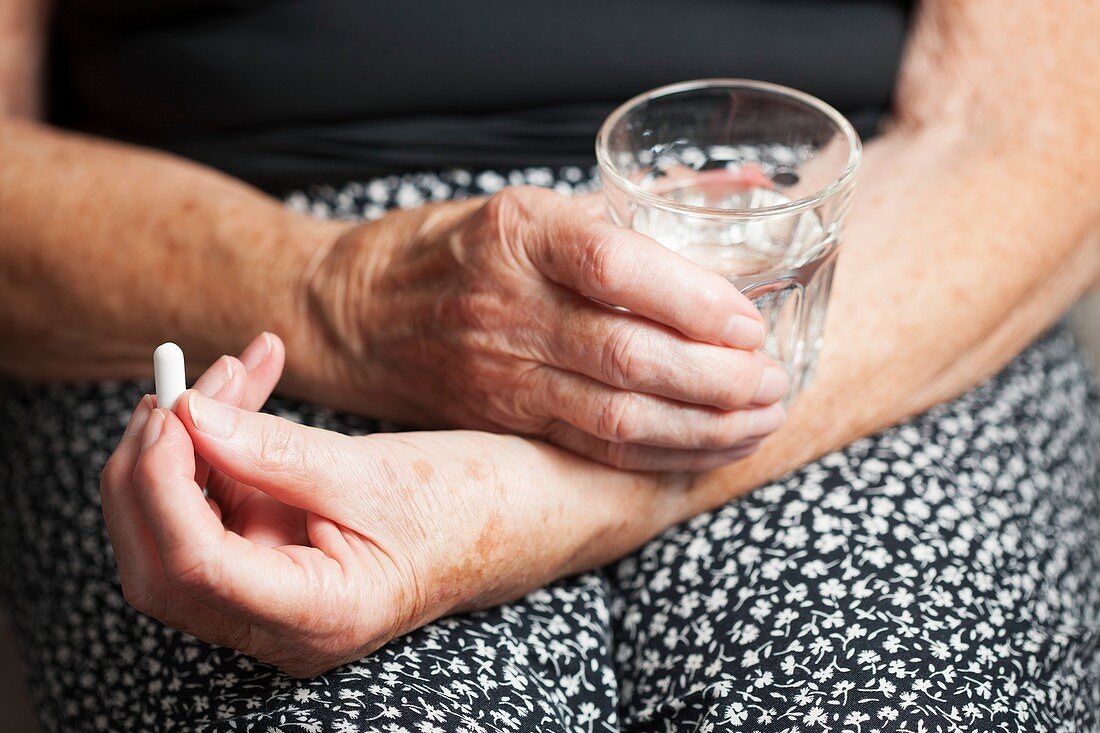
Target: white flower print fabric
(943, 575)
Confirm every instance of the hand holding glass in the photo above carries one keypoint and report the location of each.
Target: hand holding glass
(748, 179)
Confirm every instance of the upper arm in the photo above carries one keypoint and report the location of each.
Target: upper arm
(1025, 70)
(22, 48)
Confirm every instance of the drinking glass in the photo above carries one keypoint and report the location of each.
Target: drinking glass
(748, 179)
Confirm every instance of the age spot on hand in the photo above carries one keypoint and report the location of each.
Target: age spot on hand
(423, 470)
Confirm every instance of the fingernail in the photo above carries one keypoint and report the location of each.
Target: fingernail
(773, 385)
(743, 332)
(210, 416)
(139, 418)
(153, 428)
(215, 380)
(255, 353)
(742, 451)
(766, 421)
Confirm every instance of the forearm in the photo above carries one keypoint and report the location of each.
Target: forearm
(22, 38)
(513, 514)
(107, 250)
(940, 285)
(976, 226)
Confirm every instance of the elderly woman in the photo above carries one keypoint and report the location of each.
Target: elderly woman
(579, 556)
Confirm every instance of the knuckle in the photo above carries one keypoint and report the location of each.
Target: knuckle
(620, 456)
(518, 400)
(112, 477)
(137, 594)
(624, 356)
(279, 451)
(619, 418)
(508, 205)
(145, 473)
(601, 261)
(190, 570)
(506, 218)
(505, 197)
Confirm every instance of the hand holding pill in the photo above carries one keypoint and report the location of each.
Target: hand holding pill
(310, 548)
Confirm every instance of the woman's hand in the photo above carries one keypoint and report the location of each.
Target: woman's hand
(490, 314)
(315, 548)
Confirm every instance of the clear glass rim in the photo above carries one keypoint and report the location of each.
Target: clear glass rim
(603, 155)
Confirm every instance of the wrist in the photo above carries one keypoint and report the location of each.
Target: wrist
(245, 280)
(346, 290)
(305, 246)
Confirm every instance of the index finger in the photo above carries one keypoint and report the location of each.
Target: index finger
(624, 268)
(199, 556)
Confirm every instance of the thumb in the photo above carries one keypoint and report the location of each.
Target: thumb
(298, 465)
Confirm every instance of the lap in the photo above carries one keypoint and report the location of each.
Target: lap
(938, 576)
(93, 663)
(539, 664)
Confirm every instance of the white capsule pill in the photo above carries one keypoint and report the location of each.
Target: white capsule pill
(169, 373)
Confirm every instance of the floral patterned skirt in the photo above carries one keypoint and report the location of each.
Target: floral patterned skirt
(943, 575)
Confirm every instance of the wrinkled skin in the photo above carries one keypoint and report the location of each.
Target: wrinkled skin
(490, 314)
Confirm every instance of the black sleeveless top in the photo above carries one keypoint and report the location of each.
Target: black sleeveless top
(284, 93)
